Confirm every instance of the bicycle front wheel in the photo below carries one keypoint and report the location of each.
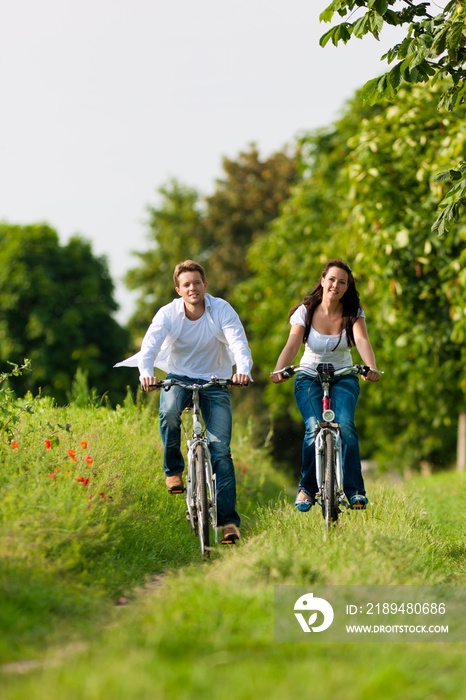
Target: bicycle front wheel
(329, 487)
(202, 503)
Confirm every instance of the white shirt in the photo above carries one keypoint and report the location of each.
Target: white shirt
(323, 348)
(197, 349)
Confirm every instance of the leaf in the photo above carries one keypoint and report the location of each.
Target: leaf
(379, 6)
(339, 33)
(361, 26)
(443, 176)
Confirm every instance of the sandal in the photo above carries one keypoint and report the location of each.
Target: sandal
(304, 504)
(358, 501)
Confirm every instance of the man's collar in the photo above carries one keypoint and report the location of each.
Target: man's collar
(180, 304)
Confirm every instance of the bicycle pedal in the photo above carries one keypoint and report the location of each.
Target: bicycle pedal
(228, 541)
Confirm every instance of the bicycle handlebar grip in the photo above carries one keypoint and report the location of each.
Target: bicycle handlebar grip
(287, 372)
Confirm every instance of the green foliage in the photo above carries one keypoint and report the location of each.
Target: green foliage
(10, 410)
(433, 52)
(176, 232)
(210, 231)
(244, 203)
(367, 195)
(56, 306)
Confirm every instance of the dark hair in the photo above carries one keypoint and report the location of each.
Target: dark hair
(188, 266)
(349, 301)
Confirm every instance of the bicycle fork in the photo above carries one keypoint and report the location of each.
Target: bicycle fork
(191, 484)
(321, 432)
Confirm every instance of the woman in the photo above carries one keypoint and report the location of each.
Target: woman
(329, 321)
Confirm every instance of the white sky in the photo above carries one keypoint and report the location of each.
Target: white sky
(104, 100)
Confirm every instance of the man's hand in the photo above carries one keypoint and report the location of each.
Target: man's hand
(148, 384)
(242, 379)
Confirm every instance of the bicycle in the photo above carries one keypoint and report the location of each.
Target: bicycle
(201, 494)
(327, 439)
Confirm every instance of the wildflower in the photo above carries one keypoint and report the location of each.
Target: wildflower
(85, 482)
(48, 444)
(89, 460)
(52, 476)
(244, 470)
(79, 478)
(15, 445)
(84, 444)
(72, 455)
(102, 495)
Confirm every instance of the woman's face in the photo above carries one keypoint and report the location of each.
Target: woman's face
(335, 283)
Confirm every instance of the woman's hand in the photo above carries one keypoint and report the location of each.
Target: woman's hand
(277, 378)
(371, 376)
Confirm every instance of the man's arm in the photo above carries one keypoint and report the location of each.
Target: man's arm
(150, 347)
(235, 336)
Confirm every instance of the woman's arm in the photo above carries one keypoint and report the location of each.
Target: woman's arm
(364, 348)
(289, 352)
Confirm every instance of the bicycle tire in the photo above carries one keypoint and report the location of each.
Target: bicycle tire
(202, 503)
(329, 487)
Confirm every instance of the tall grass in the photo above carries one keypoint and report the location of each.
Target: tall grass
(85, 516)
(207, 629)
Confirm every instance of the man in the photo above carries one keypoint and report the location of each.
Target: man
(193, 338)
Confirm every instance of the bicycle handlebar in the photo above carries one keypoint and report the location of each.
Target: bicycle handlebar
(214, 381)
(288, 372)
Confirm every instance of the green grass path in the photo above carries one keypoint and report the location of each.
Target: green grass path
(207, 630)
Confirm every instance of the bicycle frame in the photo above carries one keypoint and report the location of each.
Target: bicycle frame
(322, 429)
(198, 437)
(197, 444)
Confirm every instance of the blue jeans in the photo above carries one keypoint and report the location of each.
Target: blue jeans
(216, 412)
(344, 392)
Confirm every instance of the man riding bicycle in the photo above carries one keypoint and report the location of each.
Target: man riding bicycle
(193, 338)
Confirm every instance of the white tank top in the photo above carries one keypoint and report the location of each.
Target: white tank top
(323, 348)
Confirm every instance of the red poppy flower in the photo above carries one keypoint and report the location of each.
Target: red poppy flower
(102, 495)
(52, 476)
(89, 460)
(48, 444)
(84, 444)
(14, 445)
(79, 478)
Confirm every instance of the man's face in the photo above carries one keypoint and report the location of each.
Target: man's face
(191, 288)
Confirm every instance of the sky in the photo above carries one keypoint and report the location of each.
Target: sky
(104, 100)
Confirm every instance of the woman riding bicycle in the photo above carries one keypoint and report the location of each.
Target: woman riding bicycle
(329, 322)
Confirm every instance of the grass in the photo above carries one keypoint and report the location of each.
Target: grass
(207, 629)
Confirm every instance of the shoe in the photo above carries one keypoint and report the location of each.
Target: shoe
(358, 501)
(175, 484)
(304, 504)
(230, 534)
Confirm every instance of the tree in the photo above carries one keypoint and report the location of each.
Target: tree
(56, 306)
(366, 196)
(215, 232)
(176, 232)
(244, 203)
(433, 51)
